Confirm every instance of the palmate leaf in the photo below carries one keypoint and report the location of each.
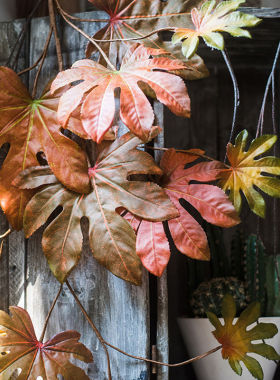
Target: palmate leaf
(247, 172)
(236, 339)
(112, 240)
(214, 17)
(188, 236)
(137, 18)
(96, 92)
(30, 127)
(20, 349)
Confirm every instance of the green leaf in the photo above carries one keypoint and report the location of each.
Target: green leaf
(236, 339)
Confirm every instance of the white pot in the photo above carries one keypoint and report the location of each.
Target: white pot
(7, 10)
(198, 338)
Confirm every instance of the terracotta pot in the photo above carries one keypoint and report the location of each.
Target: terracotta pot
(199, 339)
(7, 10)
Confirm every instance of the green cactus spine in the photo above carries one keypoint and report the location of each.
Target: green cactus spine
(273, 286)
(255, 272)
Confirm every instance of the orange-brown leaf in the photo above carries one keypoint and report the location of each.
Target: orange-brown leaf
(20, 349)
(30, 127)
(112, 240)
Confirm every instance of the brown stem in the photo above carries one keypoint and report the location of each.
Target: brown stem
(42, 63)
(57, 40)
(85, 19)
(104, 342)
(31, 67)
(138, 38)
(5, 234)
(187, 152)
(50, 313)
(99, 336)
(166, 364)
(101, 51)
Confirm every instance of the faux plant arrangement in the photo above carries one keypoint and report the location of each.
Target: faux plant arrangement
(120, 189)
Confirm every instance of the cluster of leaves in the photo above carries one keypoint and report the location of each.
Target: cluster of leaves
(124, 195)
(236, 340)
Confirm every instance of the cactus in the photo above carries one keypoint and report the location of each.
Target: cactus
(209, 295)
(249, 264)
(255, 271)
(273, 286)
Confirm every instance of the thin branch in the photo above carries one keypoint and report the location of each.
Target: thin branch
(33, 66)
(181, 364)
(138, 38)
(5, 234)
(50, 313)
(236, 92)
(269, 81)
(42, 62)
(104, 342)
(84, 19)
(57, 40)
(99, 336)
(101, 51)
(187, 152)
(2, 237)
(23, 31)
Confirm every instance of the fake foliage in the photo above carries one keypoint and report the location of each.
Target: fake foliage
(236, 339)
(49, 177)
(20, 349)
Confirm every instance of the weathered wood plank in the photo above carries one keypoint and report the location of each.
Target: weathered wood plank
(13, 260)
(119, 310)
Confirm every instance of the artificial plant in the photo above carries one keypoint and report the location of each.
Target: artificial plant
(50, 176)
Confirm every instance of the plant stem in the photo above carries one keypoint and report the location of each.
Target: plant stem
(236, 92)
(50, 313)
(57, 40)
(23, 31)
(104, 342)
(187, 152)
(84, 19)
(101, 51)
(269, 81)
(42, 62)
(5, 234)
(170, 29)
(99, 336)
(31, 67)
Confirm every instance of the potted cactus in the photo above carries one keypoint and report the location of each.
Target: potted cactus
(250, 276)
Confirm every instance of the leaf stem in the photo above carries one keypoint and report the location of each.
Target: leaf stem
(42, 62)
(31, 67)
(104, 342)
(187, 152)
(236, 92)
(269, 81)
(50, 313)
(101, 51)
(170, 29)
(84, 19)
(57, 40)
(99, 336)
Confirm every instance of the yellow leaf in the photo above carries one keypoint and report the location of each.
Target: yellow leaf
(246, 172)
(236, 339)
(211, 19)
